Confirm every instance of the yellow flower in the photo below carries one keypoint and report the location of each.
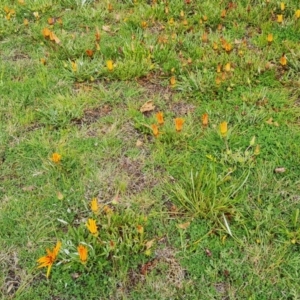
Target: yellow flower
(172, 80)
(56, 157)
(279, 18)
(160, 118)
(94, 205)
(297, 13)
(227, 67)
(270, 38)
(282, 6)
(92, 227)
(82, 251)
(223, 129)
(49, 259)
(178, 124)
(155, 130)
(110, 65)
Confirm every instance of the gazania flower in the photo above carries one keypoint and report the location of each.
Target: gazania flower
(205, 119)
(283, 60)
(155, 130)
(223, 129)
(270, 38)
(110, 65)
(82, 251)
(94, 205)
(56, 157)
(178, 124)
(160, 118)
(92, 226)
(49, 259)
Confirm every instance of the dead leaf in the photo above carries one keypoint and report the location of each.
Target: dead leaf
(106, 28)
(60, 196)
(149, 244)
(28, 188)
(208, 252)
(184, 225)
(148, 106)
(139, 143)
(279, 170)
(270, 121)
(54, 38)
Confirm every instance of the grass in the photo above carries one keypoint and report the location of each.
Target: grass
(196, 212)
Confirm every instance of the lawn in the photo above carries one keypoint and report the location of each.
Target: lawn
(149, 149)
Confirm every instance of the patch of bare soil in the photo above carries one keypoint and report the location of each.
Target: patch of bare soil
(92, 115)
(9, 264)
(164, 264)
(137, 179)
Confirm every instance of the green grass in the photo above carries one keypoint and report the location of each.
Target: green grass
(194, 214)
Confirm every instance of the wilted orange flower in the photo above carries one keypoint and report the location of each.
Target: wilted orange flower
(94, 205)
(26, 22)
(109, 7)
(270, 38)
(223, 13)
(49, 259)
(219, 68)
(178, 124)
(297, 13)
(92, 227)
(279, 18)
(56, 158)
(144, 24)
(223, 129)
(97, 35)
(160, 118)
(110, 65)
(46, 32)
(155, 130)
(82, 251)
(172, 80)
(283, 60)
(205, 119)
(204, 37)
(140, 229)
(89, 52)
(215, 46)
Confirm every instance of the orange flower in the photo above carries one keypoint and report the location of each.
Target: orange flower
(204, 37)
(160, 118)
(94, 205)
(82, 251)
(56, 158)
(205, 119)
(155, 130)
(283, 60)
(279, 18)
(110, 65)
(228, 47)
(178, 124)
(92, 227)
(270, 38)
(223, 129)
(223, 13)
(49, 259)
